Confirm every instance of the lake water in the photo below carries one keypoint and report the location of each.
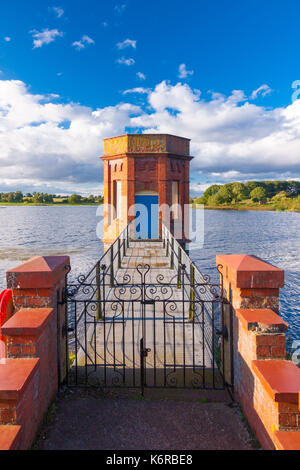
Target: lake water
(56, 230)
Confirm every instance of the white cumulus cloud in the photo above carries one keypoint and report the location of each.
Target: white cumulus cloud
(84, 41)
(126, 43)
(139, 90)
(124, 61)
(44, 37)
(44, 142)
(59, 11)
(263, 90)
(141, 76)
(183, 72)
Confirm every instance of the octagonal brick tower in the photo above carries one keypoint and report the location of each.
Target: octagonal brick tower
(150, 169)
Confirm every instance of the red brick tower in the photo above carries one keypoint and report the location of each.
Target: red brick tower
(141, 165)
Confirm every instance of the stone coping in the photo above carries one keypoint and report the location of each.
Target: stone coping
(264, 318)
(250, 272)
(280, 378)
(28, 322)
(15, 375)
(287, 440)
(9, 435)
(38, 272)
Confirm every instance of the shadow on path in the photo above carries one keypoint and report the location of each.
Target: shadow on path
(115, 420)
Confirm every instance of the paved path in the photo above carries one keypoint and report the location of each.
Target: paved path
(85, 422)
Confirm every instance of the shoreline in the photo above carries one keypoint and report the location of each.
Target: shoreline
(8, 204)
(212, 208)
(248, 208)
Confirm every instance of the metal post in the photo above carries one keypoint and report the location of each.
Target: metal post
(112, 265)
(98, 291)
(192, 292)
(127, 236)
(119, 253)
(172, 253)
(179, 268)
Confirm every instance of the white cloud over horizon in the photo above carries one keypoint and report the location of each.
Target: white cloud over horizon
(47, 143)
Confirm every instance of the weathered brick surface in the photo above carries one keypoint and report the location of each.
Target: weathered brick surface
(32, 333)
(9, 437)
(258, 340)
(143, 170)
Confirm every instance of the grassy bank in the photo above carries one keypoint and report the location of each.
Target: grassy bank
(237, 207)
(252, 196)
(249, 206)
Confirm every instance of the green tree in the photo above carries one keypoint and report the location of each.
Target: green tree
(258, 194)
(211, 191)
(239, 191)
(74, 199)
(38, 198)
(18, 196)
(215, 200)
(48, 198)
(225, 193)
(11, 197)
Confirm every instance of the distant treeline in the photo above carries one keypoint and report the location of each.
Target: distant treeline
(18, 197)
(280, 195)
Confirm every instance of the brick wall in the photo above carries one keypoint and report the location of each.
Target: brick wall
(266, 385)
(35, 349)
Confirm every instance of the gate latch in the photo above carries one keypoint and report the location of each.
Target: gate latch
(145, 352)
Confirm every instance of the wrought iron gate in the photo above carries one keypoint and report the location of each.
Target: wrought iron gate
(148, 327)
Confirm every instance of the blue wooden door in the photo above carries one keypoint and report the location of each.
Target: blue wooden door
(146, 216)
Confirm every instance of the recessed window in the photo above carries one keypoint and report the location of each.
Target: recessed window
(117, 199)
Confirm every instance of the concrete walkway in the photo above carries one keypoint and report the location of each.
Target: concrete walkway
(113, 421)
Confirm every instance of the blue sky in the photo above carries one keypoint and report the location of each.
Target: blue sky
(220, 72)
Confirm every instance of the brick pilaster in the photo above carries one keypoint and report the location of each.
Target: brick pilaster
(38, 283)
(265, 383)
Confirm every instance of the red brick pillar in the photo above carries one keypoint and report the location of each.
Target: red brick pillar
(266, 384)
(129, 190)
(250, 282)
(164, 189)
(38, 283)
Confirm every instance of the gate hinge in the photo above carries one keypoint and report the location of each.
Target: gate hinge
(223, 332)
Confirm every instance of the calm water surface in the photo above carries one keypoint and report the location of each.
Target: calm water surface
(54, 230)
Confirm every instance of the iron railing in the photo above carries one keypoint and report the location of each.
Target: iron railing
(199, 287)
(102, 300)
